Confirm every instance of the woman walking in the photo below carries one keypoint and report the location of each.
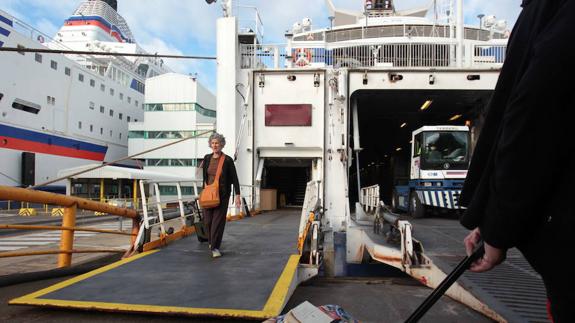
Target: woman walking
(215, 218)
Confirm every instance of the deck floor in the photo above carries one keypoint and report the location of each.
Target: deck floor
(184, 279)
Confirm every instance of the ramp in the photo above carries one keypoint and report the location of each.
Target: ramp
(254, 279)
(511, 292)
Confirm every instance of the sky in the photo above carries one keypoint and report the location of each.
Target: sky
(188, 27)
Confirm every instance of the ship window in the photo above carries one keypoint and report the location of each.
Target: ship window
(92, 105)
(38, 58)
(129, 100)
(111, 91)
(101, 130)
(2, 95)
(81, 77)
(54, 65)
(417, 145)
(135, 120)
(91, 128)
(21, 47)
(110, 133)
(120, 135)
(102, 109)
(120, 116)
(111, 113)
(26, 106)
(136, 103)
(102, 87)
(121, 96)
(92, 83)
(67, 71)
(51, 100)
(79, 124)
(127, 118)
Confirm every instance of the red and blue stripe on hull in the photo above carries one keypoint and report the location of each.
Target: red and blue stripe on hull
(99, 22)
(32, 141)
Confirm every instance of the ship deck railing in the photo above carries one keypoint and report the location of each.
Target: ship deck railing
(413, 53)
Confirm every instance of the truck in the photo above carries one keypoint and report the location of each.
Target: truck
(439, 162)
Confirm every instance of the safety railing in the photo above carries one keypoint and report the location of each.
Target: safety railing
(157, 210)
(489, 55)
(70, 207)
(369, 198)
(405, 54)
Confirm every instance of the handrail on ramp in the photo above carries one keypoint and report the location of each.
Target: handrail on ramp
(71, 204)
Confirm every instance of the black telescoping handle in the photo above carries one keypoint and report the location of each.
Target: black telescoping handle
(446, 283)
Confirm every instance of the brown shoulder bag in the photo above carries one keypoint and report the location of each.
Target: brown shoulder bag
(210, 196)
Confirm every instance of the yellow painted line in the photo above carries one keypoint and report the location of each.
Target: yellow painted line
(32, 297)
(277, 299)
(273, 306)
(138, 308)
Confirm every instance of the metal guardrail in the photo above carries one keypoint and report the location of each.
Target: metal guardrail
(71, 205)
(369, 198)
(156, 213)
(385, 55)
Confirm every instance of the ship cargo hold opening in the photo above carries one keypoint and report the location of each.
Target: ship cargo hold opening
(284, 181)
(386, 120)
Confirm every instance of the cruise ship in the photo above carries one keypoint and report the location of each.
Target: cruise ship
(61, 111)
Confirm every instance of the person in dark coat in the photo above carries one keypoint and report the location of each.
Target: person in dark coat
(520, 185)
(215, 218)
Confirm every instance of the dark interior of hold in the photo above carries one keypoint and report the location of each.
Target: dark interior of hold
(385, 155)
(289, 177)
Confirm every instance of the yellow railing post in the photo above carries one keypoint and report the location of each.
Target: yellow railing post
(67, 237)
(135, 194)
(101, 190)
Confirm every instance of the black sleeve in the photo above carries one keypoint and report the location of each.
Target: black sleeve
(532, 147)
(233, 176)
(205, 165)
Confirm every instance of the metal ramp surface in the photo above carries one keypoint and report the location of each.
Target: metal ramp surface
(254, 279)
(512, 290)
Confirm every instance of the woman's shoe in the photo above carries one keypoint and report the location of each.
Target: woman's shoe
(216, 253)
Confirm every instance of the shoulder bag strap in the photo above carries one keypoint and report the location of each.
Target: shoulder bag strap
(220, 166)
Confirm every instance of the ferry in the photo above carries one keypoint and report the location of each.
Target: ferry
(62, 111)
(344, 114)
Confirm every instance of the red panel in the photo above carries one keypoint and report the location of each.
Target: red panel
(288, 115)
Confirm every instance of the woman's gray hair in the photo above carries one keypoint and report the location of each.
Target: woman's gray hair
(218, 137)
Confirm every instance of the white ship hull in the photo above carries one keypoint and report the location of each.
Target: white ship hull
(59, 108)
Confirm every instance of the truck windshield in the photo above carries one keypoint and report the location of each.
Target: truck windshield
(445, 149)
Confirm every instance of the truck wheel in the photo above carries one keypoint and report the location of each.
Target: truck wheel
(416, 209)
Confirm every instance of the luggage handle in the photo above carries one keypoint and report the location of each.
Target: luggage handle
(446, 283)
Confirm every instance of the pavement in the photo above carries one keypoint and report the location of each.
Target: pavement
(28, 264)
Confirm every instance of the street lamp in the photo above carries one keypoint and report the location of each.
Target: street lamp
(480, 16)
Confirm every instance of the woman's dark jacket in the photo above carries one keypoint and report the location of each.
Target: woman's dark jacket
(522, 173)
(227, 178)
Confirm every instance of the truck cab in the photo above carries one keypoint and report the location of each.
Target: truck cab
(438, 167)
